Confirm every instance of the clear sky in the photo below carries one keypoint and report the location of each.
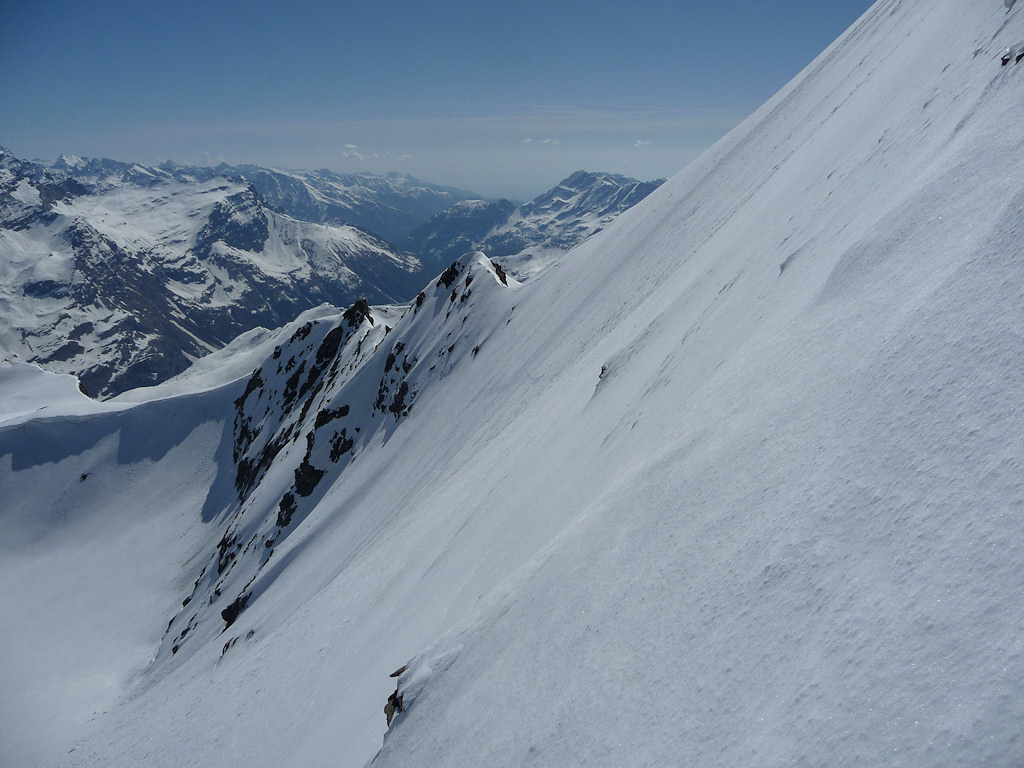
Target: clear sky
(501, 98)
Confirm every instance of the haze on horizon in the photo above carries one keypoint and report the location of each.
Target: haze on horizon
(505, 101)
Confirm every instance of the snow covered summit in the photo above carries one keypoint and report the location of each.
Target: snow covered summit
(736, 483)
(527, 238)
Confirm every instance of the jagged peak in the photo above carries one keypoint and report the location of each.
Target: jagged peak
(454, 283)
(584, 179)
(335, 385)
(8, 159)
(69, 161)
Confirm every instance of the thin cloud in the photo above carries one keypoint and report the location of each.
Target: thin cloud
(551, 141)
(642, 143)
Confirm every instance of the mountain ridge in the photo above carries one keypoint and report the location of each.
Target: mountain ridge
(124, 277)
(124, 274)
(525, 239)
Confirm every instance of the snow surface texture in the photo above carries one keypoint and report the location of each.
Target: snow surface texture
(736, 483)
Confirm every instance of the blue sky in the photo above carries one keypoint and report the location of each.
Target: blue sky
(501, 98)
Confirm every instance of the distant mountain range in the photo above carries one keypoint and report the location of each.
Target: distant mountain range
(124, 274)
(523, 239)
(389, 205)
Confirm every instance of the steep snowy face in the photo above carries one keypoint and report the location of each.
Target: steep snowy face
(338, 386)
(809, 400)
(124, 276)
(736, 484)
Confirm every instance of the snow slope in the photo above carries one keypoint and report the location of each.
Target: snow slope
(737, 482)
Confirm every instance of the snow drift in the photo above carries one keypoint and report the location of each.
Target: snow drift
(736, 482)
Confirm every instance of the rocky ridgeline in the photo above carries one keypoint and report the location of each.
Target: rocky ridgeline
(303, 416)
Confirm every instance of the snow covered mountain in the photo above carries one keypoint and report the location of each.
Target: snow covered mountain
(124, 275)
(390, 205)
(446, 236)
(737, 483)
(526, 239)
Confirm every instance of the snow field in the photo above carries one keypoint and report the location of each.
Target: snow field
(735, 482)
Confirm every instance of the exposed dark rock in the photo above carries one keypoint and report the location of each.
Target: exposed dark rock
(301, 333)
(227, 549)
(449, 276)
(393, 707)
(291, 386)
(233, 611)
(500, 272)
(306, 478)
(340, 445)
(286, 508)
(255, 382)
(81, 330)
(398, 406)
(238, 221)
(45, 288)
(66, 189)
(358, 312)
(328, 415)
(328, 348)
(393, 355)
(65, 352)
(245, 477)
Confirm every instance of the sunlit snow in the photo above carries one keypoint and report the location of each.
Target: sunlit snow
(736, 482)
